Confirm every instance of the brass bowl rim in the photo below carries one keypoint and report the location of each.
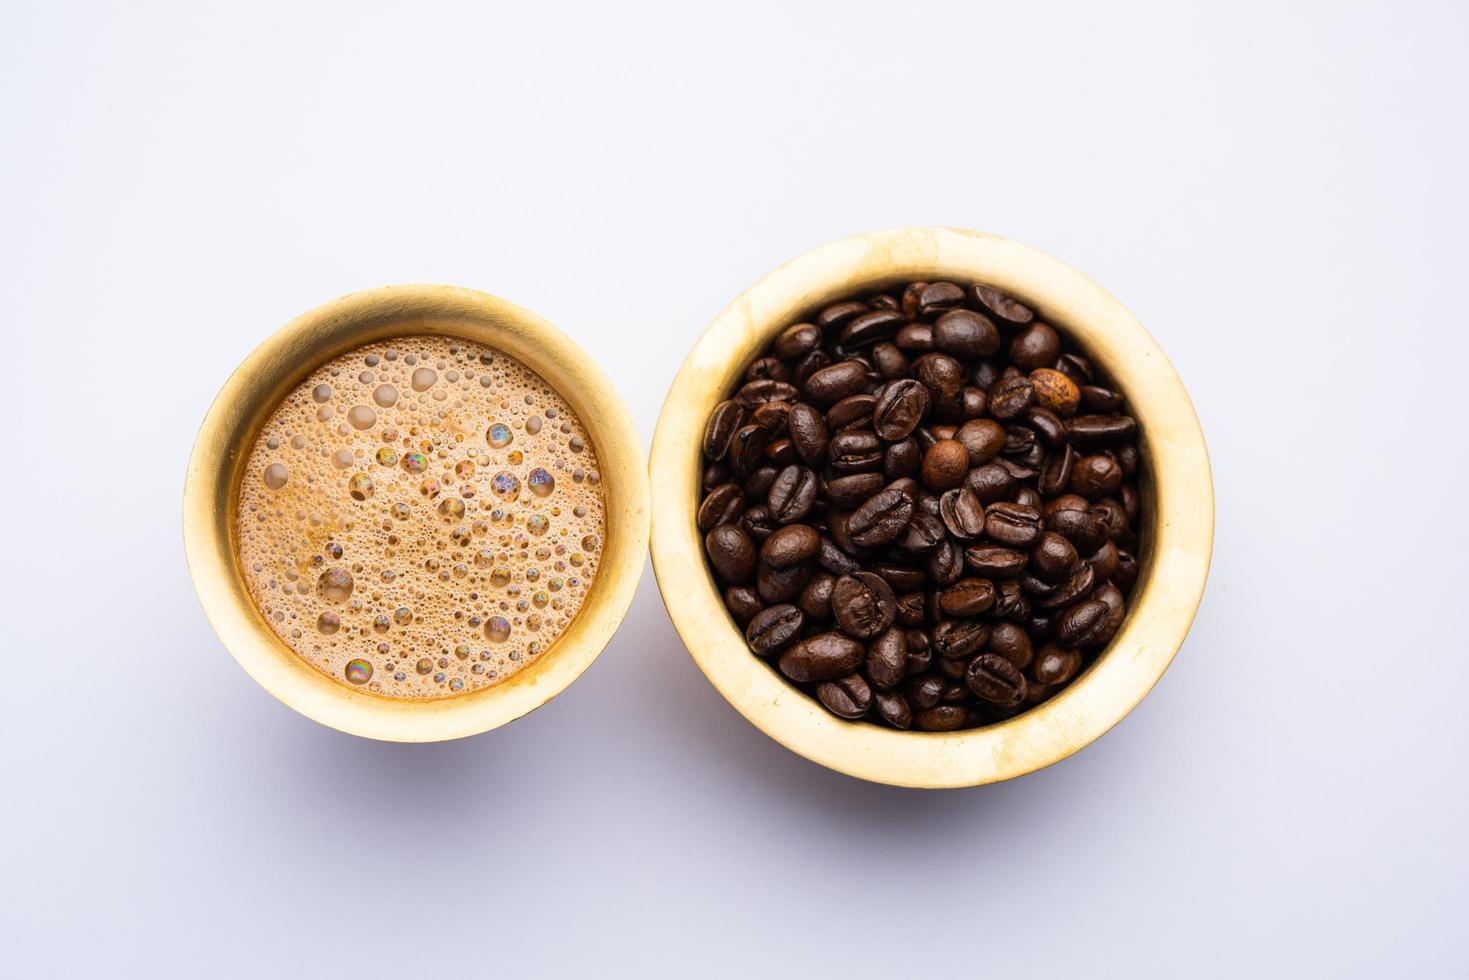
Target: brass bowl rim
(336, 327)
(1178, 548)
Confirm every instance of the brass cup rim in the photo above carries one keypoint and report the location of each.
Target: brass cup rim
(1178, 545)
(279, 363)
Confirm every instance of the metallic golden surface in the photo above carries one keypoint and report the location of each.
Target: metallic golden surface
(1177, 491)
(276, 366)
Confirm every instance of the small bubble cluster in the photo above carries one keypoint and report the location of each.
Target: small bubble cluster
(420, 518)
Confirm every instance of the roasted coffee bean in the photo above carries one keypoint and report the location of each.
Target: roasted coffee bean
(912, 611)
(991, 483)
(1049, 428)
(902, 458)
(1012, 605)
(959, 638)
(951, 670)
(887, 658)
(757, 393)
(1092, 431)
(835, 560)
(781, 584)
(757, 523)
(983, 439)
(852, 412)
(1079, 625)
(965, 333)
(743, 602)
(900, 407)
(945, 464)
(974, 402)
(942, 718)
(1131, 502)
(962, 513)
(781, 452)
(996, 679)
(890, 362)
(908, 301)
(1111, 597)
(1055, 391)
(924, 691)
(848, 698)
(757, 487)
(815, 599)
(714, 475)
(1082, 528)
(920, 651)
(809, 365)
(1018, 439)
(766, 369)
(871, 327)
(1055, 664)
(1012, 524)
(1010, 398)
(863, 605)
(772, 415)
(937, 297)
(839, 314)
(893, 708)
(792, 494)
(773, 628)
(1094, 477)
(747, 448)
(790, 546)
(1000, 306)
(1078, 586)
(915, 338)
(943, 377)
(833, 383)
(1011, 642)
(1034, 347)
(851, 492)
(945, 562)
(808, 432)
(1053, 557)
(924, 533)
(1075, 367)
(731, 552)
(797, 340)
(1112, 514)
(1101, 401)
(995, 561)
(823, 657)
(855, 451)
(1104, 561)
(1127, 570)
(724, 505)
(884, 301)
(1055, 474)
(726, 420)
(881, 519)
(902, 578)
(968, 597)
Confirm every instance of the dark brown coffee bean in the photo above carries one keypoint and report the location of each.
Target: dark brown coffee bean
(887, 658)
(797, 340)
(839, 314)
(968, 597)
(881, 519)
(1000, 306)
(808, 432)
(766, 369)
(983, 439)
(1131, 502)
(1078, 586)
(942, 376)
(871, 327)
(1094, 431)
(920, 652)
(823, 657)
(1012, 524)
(774, 628)
(915, 338)
(1055, 391)
(975, 402)
(781, 584)
(902, 458)
(1080, 624)
(962, 513)
(937, 297)
(757, 393)
(1082, 528)
(901, 405)
(714, 475)
(924, 533)
(942, 718)
(848, 698)
(790, 546)
(731, 552)
(1012, 604)
(1018, 440)
(855, 451)
(781, 452)
(991, 483)
(890, 362)
(727, 418)
(1053, 557)
(1099, 401)
(1048, 427)
(835, 560)
(1010, 398)
(1011, 642)
(747, 449)
(1094, 477)
(996, 680)
(809, 365)
(965, 333)
(945, 562)
(994, 561)
(772, 415)
(1034, 347)
(863, 605)
(792, 494)
(1075, 367)
(757, 523)
(1104, 561)
(831, 384)
(959, 638)
(757, 487)
(912, 610)
(924, 691)
(744, 603)
(1055, 664)
(1056, 472)
(951, 670)
(1111, 597)
(893, 708)
(945, 465)
(902, 578)
(723, 505)
(815, 599)
(852, 412)
(884, 301)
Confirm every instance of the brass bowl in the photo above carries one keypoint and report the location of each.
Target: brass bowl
(1177, 522)
(281, 362)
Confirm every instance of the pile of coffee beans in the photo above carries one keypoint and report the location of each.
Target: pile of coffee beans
(922, 506)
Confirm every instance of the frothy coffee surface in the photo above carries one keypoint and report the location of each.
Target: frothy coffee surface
(420, 518)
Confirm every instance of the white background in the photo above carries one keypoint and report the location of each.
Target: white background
(1277, 191)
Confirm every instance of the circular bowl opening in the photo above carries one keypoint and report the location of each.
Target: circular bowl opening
(273, 369)
(1177, 522)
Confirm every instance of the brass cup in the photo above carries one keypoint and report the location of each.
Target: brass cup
(1177, 491)
(281, 362)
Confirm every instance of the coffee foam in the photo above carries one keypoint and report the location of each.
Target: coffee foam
(420, 518)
